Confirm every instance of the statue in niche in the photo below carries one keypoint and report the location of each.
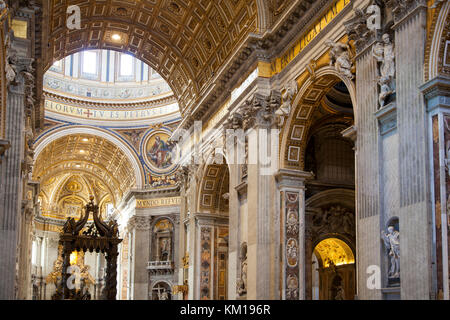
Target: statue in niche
(340, 58)
(339, 293)
(384, 53)
(164, 249)
(242, 282)
(163, 295)
(392, 242)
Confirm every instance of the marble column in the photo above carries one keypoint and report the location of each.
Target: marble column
(263, 230)
(234, 232)
(11, 191)
(139, 227)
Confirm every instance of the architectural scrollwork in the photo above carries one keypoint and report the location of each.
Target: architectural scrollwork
(139, 223)
(400, 8)
(358, 31)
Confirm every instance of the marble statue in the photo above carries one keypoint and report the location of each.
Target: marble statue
(285, 108)
(385, 90)
(2, 5)
(392, 242)
(339, 293)
(242, 282)
(383, 52)
(11, 61)
(340, 58)
(164, 295)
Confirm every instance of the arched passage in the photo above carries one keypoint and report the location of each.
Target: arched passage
(335, 271)
(309, 98)
(315, 139)
(213, 208)
(134, 164)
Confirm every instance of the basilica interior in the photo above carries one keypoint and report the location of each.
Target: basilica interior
(224, 150)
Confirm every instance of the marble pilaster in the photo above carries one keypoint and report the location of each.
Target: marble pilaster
(291, 191)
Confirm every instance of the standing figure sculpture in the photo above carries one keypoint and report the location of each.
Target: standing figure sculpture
(392, 242)
(242, 282)
(384, 53)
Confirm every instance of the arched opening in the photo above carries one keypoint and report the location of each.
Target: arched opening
(214, 235)
(70, 169)
(320, 139)
(161, 291)
(334, 270)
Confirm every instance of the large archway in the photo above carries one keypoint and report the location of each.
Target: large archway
(213, 207)
(319, 138)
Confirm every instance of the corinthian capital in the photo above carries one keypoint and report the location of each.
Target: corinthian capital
(400, 8)
(139, 223)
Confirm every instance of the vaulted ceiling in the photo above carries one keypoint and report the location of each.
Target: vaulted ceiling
(82, 153)
(185, 41)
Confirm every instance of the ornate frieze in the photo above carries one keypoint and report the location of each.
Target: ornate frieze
(205, 263)
(333, 220)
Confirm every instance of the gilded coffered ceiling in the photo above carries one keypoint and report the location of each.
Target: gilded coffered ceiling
(95, 156)
(65, 194)
(185, 41)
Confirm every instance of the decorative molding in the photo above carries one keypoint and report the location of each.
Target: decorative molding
(387, 118)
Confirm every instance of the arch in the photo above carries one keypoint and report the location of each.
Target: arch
(295, 131)
(346, 197)
(167, 282)
(436, 44)
(46, 138)
(214, 179)
(344, 254)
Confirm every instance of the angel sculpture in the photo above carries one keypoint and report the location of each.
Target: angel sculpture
(285, 108)
(340, 57)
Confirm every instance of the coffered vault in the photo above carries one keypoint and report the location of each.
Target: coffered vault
(185, 41)
(83, 153)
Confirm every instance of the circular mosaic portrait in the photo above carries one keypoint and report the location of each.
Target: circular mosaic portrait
(159, 153)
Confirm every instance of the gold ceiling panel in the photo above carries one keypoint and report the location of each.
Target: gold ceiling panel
(185, 41)
(86, 153)
(69, 193)
(215, 184)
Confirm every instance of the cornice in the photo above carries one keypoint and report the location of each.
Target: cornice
(256, 48)
(115, 105)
